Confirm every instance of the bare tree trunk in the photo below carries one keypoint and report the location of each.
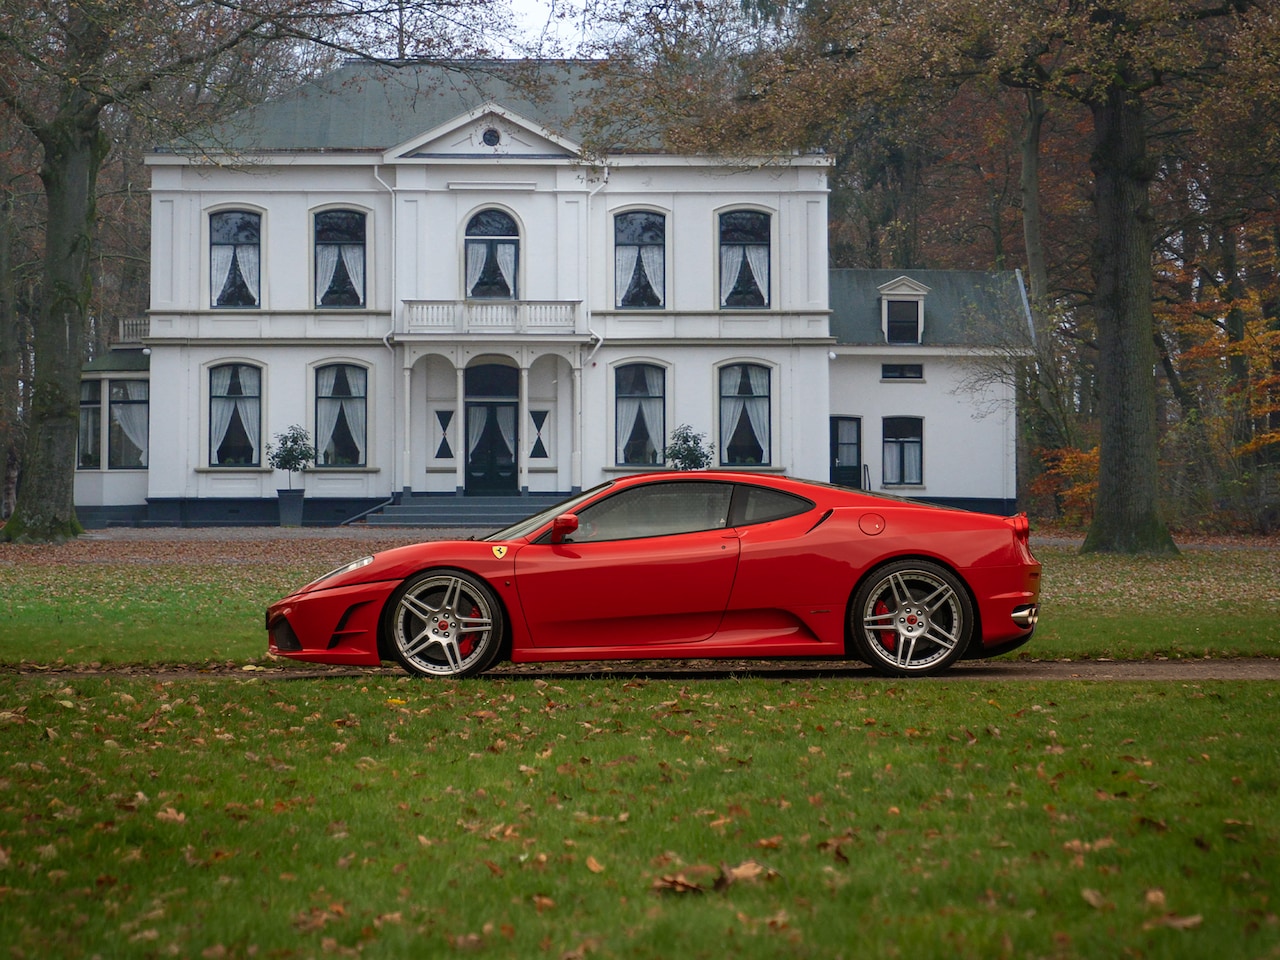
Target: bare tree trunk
(74, 148)
(10, 383)
(1126, 517)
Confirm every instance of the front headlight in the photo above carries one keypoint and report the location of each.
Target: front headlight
(347, 568)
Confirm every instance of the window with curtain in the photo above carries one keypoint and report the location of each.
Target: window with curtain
(341, 397)
(235, 246)
(903, 450)
(640, 414)
(127, 430)
(639, 259)
(744, 415)
(902, 321)
(235, 415)
(492, 256)
(340, 258)
(744, 259)
(89, 452)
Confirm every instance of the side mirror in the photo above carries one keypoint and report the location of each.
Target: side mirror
(562, 526)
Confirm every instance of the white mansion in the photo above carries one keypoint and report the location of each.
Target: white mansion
(419, 266)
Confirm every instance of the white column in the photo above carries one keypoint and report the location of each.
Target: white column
(522, 428)
(406, 415)
(460, 419)
(576, 460)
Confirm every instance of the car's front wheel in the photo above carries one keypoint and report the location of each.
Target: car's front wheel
(911, 618)
(444, 623)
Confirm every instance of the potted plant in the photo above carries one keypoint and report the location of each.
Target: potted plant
(686, 452)
(292, 453)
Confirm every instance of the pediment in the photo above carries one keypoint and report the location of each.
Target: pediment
(486, 132)
(903, 287)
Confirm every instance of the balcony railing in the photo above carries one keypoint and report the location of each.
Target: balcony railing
(133, 329)
(492, 316)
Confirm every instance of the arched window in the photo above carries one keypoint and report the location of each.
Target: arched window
(640, 402)
(235, 415)
(340, 258)
(639, 259)
(235, 244)
(492, 256)
(341, 397)
(744, 415)
(744, 259)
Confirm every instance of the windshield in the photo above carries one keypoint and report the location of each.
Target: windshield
(518, 531)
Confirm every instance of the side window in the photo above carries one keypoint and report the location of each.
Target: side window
(744, 415)
(656, 510)
(639, 259)
(760, 505)
(640, 409)
(744, 259)
(89, 454)
(903, 450)
(341, 395)
(127, 433)
(235, 246)
(340, 258)
(235, 415)
(492, 256)
(902, 321)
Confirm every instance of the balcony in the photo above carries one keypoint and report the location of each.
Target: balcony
(507, 317)
(133, 329)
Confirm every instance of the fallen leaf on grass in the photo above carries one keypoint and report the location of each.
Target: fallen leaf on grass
(594, 865)
(170, 815)
(1095, 899)
(675, 883)
(1174, 922)
(749, 871)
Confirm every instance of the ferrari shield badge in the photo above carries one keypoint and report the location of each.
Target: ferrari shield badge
(499, 552)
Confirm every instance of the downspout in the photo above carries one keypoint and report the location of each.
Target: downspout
(386, 342)
(596, 339)
(386, 338)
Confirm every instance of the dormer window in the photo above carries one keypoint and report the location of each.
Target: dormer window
(902, 321)
(902, 311)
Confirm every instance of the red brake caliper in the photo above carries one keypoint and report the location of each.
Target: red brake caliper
(467, 643)
(888, 638)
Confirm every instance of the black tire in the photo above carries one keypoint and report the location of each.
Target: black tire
(911, 618)
(443, 623)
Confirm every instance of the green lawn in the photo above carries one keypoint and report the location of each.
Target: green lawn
(254, 816)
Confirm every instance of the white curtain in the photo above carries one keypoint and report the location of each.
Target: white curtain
(220, 257)
(326, 266)
(353, 260)
(758, 262)
(731, 405)
(327, 408)
(221, 407)
(248, 406)
(507, 265)
(477, 417)
(652, 408)
(731, 255)
(624, 265)
(913, 466)
(248, 259)
(758, 408)
(477, 253)
(653, 259)
(628, 410)
(134, 417)
(507, 427)
(354, 407)
(892, 462)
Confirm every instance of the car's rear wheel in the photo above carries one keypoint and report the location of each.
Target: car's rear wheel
(911, 618)
(444, 623)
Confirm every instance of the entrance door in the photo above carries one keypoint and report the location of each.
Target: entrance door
(491, 448)
(846, 451)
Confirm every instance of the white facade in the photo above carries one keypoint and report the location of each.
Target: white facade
(488, 345)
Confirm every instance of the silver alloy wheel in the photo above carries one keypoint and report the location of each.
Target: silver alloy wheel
(912, 618)
(445, 624)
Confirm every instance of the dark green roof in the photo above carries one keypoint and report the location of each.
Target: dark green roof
(963, 308)
(367, 107)
(118, 361)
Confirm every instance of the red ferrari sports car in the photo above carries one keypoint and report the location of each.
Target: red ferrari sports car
(683, 565)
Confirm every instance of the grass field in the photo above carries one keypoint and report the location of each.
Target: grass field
(252, 816)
